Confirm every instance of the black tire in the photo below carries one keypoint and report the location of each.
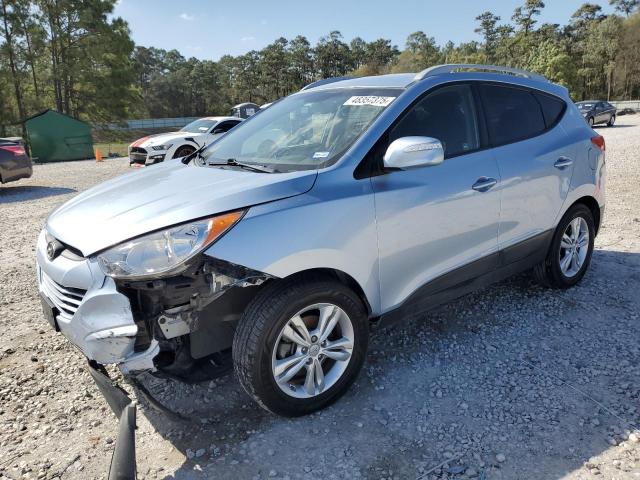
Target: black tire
(591, 121)
(549, 273)
(261, 324)
(611, 121)
(183, 151)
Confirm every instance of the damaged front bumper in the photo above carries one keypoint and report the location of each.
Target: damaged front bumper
(143, 325)
(88, 309)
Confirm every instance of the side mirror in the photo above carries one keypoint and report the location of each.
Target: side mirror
(410, 152)
(216, 131)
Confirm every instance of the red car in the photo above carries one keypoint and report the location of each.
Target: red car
(14, 161)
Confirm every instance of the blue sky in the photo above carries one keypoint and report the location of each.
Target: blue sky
(208, 29)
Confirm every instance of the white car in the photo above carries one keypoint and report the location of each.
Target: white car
(163, 146)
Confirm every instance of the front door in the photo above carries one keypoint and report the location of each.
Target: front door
(435, 220)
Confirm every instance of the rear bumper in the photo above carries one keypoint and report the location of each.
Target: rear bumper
(20, 167)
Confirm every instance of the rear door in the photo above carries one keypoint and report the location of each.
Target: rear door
(439, 219)
(534, 157)
(602, 113)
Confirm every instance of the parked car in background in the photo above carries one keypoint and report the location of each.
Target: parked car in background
(379, 197)
(14, 161)
(163, 146)
(245, 110)
(597, 112)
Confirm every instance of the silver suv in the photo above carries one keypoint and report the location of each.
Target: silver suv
(336, 210)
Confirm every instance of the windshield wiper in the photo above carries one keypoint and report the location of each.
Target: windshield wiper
(195, 154)
(232, 162)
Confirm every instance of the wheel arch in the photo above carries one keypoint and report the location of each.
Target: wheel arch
(184, 143)
(592, 204)
(342, 277)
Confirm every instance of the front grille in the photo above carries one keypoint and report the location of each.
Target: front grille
(65, 299)
(138, 154)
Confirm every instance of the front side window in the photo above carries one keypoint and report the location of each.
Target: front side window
(512, 113)
(225, 127)
(305, 131)
(447, 114)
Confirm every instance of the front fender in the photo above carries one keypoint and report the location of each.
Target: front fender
(329, 227)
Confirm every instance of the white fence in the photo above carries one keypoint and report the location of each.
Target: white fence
(622, 104)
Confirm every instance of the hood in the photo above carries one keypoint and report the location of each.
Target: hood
(162, 138)
(167, 194)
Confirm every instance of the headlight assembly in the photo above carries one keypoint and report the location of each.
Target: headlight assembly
(162, 147)
(165, 251)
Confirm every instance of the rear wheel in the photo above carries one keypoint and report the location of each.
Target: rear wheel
(183, 151)
(591, 121)
(611, 121)
(571, 249)
(300, 344)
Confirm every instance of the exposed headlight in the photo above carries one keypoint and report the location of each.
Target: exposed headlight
(162, 147)
(165, 251)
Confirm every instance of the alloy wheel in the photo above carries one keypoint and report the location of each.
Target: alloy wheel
(574, 247)
(312, 350)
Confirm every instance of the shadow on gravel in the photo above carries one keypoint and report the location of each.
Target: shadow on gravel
(509, 382)
(9, 194)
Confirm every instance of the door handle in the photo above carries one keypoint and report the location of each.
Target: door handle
(483, 184)
(563, 162)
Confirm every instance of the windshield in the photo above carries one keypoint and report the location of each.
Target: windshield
(305, 131)
(585, 106)
(198, 126)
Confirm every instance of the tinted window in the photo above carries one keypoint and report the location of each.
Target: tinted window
(447, 114)
(552, 108)
(225, 126)
(512, 114)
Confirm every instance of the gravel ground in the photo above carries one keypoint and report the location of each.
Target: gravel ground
(512, 382)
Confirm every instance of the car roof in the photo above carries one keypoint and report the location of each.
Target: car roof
(220, 119)
(393, 80)
(445, 73)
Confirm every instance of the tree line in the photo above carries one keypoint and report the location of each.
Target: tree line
(75, 57)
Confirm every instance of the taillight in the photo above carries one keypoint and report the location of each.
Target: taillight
(15, 149)
(598, 141)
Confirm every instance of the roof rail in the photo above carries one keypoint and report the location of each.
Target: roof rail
(325, 81)
(454, 67)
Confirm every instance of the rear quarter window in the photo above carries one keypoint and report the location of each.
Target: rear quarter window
(552, 108)
(512, 113)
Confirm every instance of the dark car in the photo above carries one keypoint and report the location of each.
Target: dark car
(14, 161)
(596, 112)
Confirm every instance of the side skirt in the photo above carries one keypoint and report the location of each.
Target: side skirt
(469, 278)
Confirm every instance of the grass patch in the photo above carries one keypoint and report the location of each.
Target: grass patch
(110, 148)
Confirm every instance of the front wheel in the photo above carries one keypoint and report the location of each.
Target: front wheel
(300, 344)
(183, 151)
(611, 121)
(591, 121)
(571, 249)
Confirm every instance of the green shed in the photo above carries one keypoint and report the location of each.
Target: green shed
(54, 137)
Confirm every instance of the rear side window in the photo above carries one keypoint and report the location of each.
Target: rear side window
(552, 108)
(447, 114)
(512, 114)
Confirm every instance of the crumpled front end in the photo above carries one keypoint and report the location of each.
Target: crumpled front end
(181, 326)
(87, 307)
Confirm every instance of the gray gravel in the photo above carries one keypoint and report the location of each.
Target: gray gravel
(512, 382)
